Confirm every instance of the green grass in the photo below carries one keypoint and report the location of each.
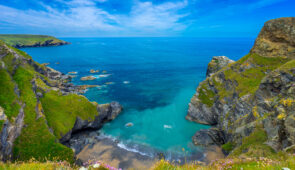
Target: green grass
(19, 40)
(253, 145)
(61, 111)
(206, 95)
(228, 147)
(247, 81)
(35, 141)
(8, 98)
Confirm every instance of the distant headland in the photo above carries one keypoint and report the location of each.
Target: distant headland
(29, 40)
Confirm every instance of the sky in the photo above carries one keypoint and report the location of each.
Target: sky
(141, 18)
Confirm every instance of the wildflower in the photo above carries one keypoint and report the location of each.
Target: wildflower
(284, 168)
(97, 165)
(83, 168)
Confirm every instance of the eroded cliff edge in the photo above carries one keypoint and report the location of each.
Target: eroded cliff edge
(252, 98)
(40, 109)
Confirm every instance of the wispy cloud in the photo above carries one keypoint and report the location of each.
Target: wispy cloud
(87, 15)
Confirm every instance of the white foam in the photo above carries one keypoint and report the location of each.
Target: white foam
(167, 126)
(126, 82)
(121, 145)
(104, 75)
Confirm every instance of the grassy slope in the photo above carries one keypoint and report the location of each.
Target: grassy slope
(57, 112)
(28, 40)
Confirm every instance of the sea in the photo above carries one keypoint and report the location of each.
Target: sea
(153, 78)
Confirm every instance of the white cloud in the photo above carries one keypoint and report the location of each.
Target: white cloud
(86, 15)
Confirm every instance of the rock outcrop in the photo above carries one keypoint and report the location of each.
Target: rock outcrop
(255, 92)
(216, 64)
(107, 112)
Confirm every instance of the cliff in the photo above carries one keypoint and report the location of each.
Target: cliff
(27, 40)
(250, 103)
(39, 109)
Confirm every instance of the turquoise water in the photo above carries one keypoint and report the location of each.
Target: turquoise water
(153, 78)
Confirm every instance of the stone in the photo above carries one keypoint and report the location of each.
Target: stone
(234, 110)
(94, 71)
(216, 64)
(88, 78)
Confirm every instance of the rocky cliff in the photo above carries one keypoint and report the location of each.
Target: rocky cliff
(40, 109)
(250, 103)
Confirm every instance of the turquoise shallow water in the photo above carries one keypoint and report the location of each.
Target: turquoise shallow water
(153, 78)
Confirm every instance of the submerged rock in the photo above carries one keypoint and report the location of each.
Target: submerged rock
(88, 78)
(129, 124)
(94, 71)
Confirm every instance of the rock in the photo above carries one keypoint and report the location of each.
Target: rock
(88, 78)
(82, 88)
(9, 133)
(45, 64)
(109, 83)
(94, 71)
(234, 105)
(209, 137)
(73, 72)
(106, 113)
(216, 64)
(277, 38)
(129, 124)
(109, 112)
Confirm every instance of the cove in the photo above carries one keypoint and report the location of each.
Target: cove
(153, 78)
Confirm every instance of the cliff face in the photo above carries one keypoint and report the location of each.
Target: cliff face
(256, 94)
(39, 109)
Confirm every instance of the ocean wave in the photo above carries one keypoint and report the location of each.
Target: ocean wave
(123, 146)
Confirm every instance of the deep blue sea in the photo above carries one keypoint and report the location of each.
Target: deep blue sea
(153, 78)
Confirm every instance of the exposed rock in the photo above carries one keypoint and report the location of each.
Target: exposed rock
(209, 137)
(216, 64)
(277, 38)
(10, 131)
(106, 113)
(94, 71)
(257, 90)
(88, 78)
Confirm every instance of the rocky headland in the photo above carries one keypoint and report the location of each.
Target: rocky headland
(40, 109)
(27, 40)
(250, 103)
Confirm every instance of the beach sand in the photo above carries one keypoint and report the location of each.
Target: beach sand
(107, 151)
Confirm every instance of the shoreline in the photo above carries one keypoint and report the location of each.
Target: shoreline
(109, 150)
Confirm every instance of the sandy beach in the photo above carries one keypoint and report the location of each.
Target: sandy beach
(107, 151)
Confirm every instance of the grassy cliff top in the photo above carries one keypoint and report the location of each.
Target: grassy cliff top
(27, 40)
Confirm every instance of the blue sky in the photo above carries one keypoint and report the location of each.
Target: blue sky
(124, 18)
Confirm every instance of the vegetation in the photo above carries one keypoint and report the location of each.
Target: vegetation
(206, 95)
(53, 111)
(36, 141)
(26, 40)
(247, 163)
(61, 111)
